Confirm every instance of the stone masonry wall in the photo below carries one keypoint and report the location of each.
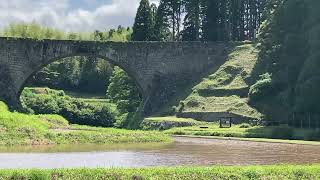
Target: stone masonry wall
(155, 66)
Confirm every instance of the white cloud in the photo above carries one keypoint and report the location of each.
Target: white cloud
(60, 14)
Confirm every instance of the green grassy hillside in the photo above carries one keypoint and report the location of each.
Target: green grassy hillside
(17, 128)
(226, 90)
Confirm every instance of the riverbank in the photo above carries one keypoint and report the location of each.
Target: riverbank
(279, 141)
(22, 129)
(190, 127)
(181, 173)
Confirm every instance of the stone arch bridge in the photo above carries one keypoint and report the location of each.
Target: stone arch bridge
(158, 68)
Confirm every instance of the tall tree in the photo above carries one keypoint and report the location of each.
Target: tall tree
(162, 24)
(143, 25)
(174, 12)
(210, 23)
(192, 20)
(232, 19)
(123, 91)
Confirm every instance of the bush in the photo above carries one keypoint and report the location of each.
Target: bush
(245, 126)
(123, 91)
(282, 132)
(76, 111)
(261, 88)
(313, 136)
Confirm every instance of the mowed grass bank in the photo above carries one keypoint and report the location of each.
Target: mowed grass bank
(172, 125)
(21, 129)
(247, 131)
(177, 173)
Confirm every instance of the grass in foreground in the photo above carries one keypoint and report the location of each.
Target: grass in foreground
(218, 173)
(21, 129)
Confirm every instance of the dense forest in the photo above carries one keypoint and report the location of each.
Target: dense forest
(289, 43)
(194, 20)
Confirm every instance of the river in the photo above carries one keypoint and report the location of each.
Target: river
(182, 152)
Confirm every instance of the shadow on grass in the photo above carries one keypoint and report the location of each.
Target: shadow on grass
(283, 132)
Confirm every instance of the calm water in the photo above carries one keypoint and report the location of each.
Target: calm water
(184, 151)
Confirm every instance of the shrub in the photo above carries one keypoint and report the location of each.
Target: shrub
(245, 126)
(123, 91)
(261, 88)
(75, 110)
(282, 132)
(179, 132)
(313, 136)
(125, 106)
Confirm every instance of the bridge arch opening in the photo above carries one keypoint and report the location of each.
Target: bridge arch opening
(128, 98)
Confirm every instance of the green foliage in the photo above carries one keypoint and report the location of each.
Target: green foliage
(313, 136)
(33, 30)
(248, 132)
(282, 132)
(144, 23)
(245, 125)
(261, 89)
(22, 129)
(301, 172)
(123, 91)
(225, 20)
(289, 40)
(192, 20)
(161, 27)
(164, 123)
(75, 110)
(226, 89)
(171, 15)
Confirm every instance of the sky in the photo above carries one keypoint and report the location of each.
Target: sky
(70, 15)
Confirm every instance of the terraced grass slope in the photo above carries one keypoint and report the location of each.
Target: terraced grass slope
(226, 90)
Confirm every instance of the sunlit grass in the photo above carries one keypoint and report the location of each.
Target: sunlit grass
(172, 119)
(173, 173)
(21, 129)
(254, 133)
(223, 90)
(234, 72)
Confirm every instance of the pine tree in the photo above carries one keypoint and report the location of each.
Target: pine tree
(224, 32)
(210, 24)
(161, 27)
(143, 25)
(192, 20)
(174, 12)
